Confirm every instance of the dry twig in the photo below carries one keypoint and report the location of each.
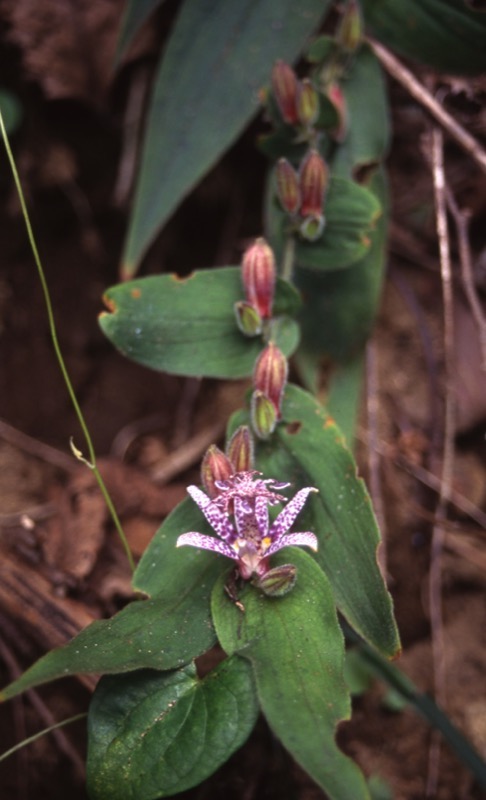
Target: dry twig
(408, 80)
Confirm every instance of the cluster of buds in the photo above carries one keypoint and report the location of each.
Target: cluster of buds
(259, 276)
(297, 101)
(302, 193)
(236, 505)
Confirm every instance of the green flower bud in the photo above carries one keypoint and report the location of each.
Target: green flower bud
(350, 31)
(263, 415)
(307, 103)
(278, 581)
(248, 319)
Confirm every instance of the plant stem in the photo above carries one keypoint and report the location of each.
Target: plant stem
(57, 348)
(40, 734)
(288, 258)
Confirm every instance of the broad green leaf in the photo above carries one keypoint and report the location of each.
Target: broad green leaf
(351, 214)
(155, 734)
(218, 57)
(135, 14)
(187, 325)
(168, 630)
(368, 132)
(445, 34)
(296, 649)
(307, 449)
(339, 306)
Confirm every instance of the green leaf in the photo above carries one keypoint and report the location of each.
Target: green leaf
(308, 450)
(153, 735)
(187, 325)
(135, 14)
(368, 132)
(296, 649)
(340, 305)
(351, 213)
(168, 630)
(445, 34)
(218, 57)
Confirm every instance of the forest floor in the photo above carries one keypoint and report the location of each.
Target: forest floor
(61, 562)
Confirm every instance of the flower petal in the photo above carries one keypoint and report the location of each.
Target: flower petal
(287, 516)
(261, 515)
(304, 539)
(206, 543)
(218, 520)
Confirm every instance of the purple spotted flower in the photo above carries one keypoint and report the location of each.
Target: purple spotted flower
(239, 515)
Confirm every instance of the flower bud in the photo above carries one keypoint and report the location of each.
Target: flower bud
(288, 186)
(270, 374)
(311, 227)
(215, 467)
(313, 179)
(350, 31)
(263, 415)
(278, 581)
(285, 88)
(240, 450)
(259, 277)
(337, 98)
(307, 103)
(248, 319)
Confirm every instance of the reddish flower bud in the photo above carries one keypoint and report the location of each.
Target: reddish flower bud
(337, 98)
(248, 319)
(240, 450)
(350, 31)
(307, 103)
(215, 466)
(263, 415)
(259, 277)
(313, 179)
(288, 186)
(285, 87)
(270, 374)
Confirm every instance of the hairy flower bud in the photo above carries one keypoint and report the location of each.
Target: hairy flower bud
(215, 466)
(337, 98)
(278, 581)
(313, 179)
(288, 190)
(350, 31)
(248, 319)
(259, 276)
(263, 415)
(240, 449)
(307, 103)
(285, 89)
(270, 374)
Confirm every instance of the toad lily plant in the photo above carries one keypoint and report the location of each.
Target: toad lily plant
(240, 516)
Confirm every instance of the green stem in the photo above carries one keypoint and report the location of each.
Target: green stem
(57, 349)
(40, 734)
(423, 704)
(288, 258)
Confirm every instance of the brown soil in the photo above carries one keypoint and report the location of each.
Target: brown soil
(61, 561)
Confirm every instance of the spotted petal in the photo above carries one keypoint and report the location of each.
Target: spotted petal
(304, 539)
(218, 520)
(206, 543)
(287, 516)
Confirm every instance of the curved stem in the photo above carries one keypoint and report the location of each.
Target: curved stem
(57, 348)
(288, 258)
(40, 734)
